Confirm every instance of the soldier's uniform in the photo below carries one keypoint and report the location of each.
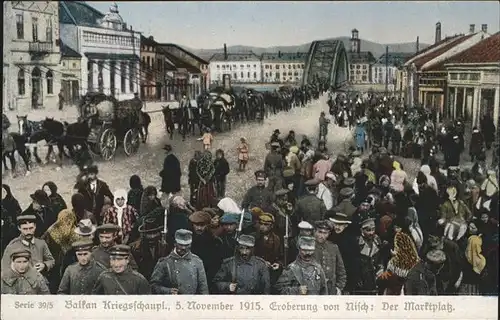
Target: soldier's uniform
(345, 206)
(293, 251)
(273, 166)
(270, 247)
(309, 208)
(283, 213)
(129, 282)
(258, 196)
(252, 275)
(303, 273)
(185, 273)
(79, 279)
(30, 282)
(101, 254)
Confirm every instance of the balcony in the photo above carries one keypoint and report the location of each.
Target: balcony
(40, 47)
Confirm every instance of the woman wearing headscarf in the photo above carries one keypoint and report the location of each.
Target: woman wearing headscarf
(122, 215)
(57, 202)
(10, 210)
(431, 181)
(414, 228)
(178, 217)
(474, 266)
(59, 238)
(206, 188)
(134, 196)
(149, 201)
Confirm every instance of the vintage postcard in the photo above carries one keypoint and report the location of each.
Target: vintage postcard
(250, 160)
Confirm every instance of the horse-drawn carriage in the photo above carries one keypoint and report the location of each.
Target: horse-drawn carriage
(111, 122)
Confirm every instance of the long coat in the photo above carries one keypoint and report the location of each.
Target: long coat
(31, 282)
(208, 248)
(252, 276)
(94, 201)
(171, 175)
(129, 282)
(328, 255)
(146, 256)
(300, 273)
(79, 279)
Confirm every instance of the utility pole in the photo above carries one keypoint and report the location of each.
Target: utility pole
(386, 69)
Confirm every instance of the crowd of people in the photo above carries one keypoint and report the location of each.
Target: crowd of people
(311, 225)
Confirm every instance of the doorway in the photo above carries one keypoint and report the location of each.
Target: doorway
(36, 89)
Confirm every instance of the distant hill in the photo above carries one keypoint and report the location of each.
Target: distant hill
(377, 49)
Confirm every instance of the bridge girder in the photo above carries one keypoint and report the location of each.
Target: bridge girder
(327, 61)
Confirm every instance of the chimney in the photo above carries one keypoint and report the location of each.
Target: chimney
(438, 32)
(225, 52)
(472, 28)
(484, 28)
(417, 44)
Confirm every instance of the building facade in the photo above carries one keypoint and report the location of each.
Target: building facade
(241, 67)
(31, 70)
(360, 62)
(152, 76)
(71, 73)
(386, 67)
(283, 67)
(473, 82)
(110, 50)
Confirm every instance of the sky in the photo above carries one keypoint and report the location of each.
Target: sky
(207, 25)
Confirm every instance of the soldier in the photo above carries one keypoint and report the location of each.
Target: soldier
(304, 276)
(181, 272)
(328, 255)
(229, 224)
(244, 273)
(108, 233)
(283, 211)
(205, 244)
(273, 166)
(345, 205)
(258, 195)
(305, 229)
(20, 277)
(81, 277)
(121, 279)
(308, 207)
(41, 258)
(269, 246)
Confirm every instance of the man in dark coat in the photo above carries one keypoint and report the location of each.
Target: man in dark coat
(308, 207)
(95, 190)
(269, 246)
(205, 245)
(258, 196)
(40, 208)
(273, 167)
(421, 280)
(244, 273)
(476, 146)
(171, 172)
(452, 153)
(108, 234)
(488, 129)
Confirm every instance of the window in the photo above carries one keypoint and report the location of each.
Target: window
(242, 74)
(242, 66)
(20, 26)
(64, 64)
(48, 31)
(123, 76)
(148, 62)
(255, 66)
(34, 29)
(218, 66)
(90, 76)
(364, 67)
(131, 76)
(277, 66)
(21, 88)
(248, 74)
(255, 75)
(248, 66)
(235, 76)
(50, 82)
(293, 66)
(234, 66)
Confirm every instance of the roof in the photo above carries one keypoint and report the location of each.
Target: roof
(250, 56)
(148, 41)
(79, 13)
(192, 55)
(395, 58)
(67, 52)
(179, 63)
(439, 51)
(435, 46)
(284, 56)
(486, 51)
(361, 57)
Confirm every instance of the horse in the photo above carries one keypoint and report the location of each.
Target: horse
(177, 116)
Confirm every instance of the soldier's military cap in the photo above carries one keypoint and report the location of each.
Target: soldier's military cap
(340, 218)
(20, 253)
(304, 225)
(200, 217)
(349, 182)
(346, 192)
(256, 211)
(266, 218)
(108, 227)
(307, 243)
(323, 224)
(246, 240)
(26, 218)
(211, 211)
(229, 218)
(83, 245)
(436, 256)
(312, 182)
(260, 174)
(183, 237)
(281, 192)
(369, 222)
(120, 250)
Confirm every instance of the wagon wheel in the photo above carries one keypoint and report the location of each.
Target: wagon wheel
(131, 142)
(107, 144)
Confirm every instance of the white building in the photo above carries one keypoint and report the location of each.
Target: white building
(394, 61)
(283, 67)
(110, 51)
(31, 55)
(242, 67)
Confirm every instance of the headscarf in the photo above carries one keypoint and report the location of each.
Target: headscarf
(149, 205)
(120, 193)
(473, 254)
(415, 229)
(205, 167)
(228, 205)
(179, 202)
(10, 205)
(62, 231)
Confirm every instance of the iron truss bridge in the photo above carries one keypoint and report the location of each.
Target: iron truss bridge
(326, 62)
